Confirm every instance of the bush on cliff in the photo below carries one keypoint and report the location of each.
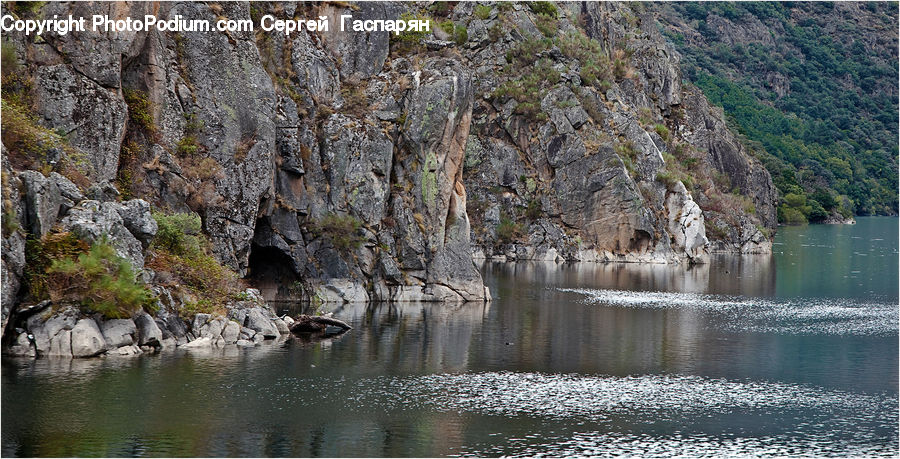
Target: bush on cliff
(509, 231)
(341, 230)
(180, 255)
(40, 253)
(101, 281)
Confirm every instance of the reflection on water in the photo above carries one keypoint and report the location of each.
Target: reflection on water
(750, 275)
(839, 261)
(835, 316)
(569, 360)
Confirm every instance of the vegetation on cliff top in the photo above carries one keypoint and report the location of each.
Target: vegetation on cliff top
(101, 281)
(180, 255)
(818, 104)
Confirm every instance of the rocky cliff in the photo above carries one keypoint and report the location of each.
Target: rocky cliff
(342, 166)
(607, 155)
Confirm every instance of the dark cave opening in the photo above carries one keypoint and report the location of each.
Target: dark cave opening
(271, 271)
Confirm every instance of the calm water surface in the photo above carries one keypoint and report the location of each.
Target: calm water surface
(793, 354)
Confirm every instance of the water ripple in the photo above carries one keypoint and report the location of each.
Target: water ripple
(655, 415)
(795, 316)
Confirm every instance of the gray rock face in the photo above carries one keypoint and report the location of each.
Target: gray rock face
(728, 156)
(361, 54)
(87, 340)
(96, 55)
(219, 80)
(138, 220)
(261, 323)
(231, 332)
(326, 167)
(149, 333)
(600, 172)
(92, 220)
(93, 116)
(119, 332)
(12, 255)
(61, 344)
(12, 265)
(43, 202)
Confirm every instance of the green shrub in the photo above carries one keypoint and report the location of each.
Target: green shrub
(791, 216)
(628, 153)
(530, 88)
(178, 233)
(182, 251)
(458, 33)
(188, 146)
(101, 281)
(496, 31)
(440, 8)
(667, 178)
(482, 12)
(545, 8)
(509, 231)
(28, 142)
(10, 221)
(27, 8)
(409, 40)
(41, 253)
(548, 26)
(342, 230)
(662, 130)
(140, 111)
(595, 66)
(533, 211)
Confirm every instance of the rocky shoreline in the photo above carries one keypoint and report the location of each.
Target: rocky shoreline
(334, 168)
(66, 331)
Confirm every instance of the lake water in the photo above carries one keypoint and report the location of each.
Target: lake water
(790, 354)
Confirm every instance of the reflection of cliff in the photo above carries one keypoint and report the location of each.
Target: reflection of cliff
(748, 275)
(413, 337)
(550, 330)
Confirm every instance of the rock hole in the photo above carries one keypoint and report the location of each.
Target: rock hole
(271, 268)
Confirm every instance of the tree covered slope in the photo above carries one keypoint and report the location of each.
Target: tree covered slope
(812, 87)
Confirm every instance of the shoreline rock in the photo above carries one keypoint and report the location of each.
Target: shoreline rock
(68, 332)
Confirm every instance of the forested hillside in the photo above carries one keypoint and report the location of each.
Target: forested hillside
(811, 86)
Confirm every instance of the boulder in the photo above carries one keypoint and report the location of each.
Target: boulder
(262, 324)
(214, 328)
(199, 321)
(87, 340)
(119, 332)
(281, 326)
(149, 333)
(199, 343)
(21, 347)
(45, 328)
(61, 344)
(686, 224)
(231, 332)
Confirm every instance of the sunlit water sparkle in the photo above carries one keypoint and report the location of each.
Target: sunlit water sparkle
(833, 316)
